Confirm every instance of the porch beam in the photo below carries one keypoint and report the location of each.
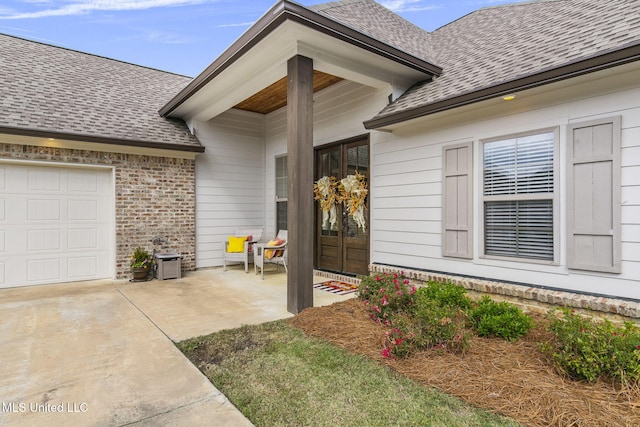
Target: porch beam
(300, 211)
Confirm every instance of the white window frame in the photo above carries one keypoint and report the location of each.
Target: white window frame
(555, 198)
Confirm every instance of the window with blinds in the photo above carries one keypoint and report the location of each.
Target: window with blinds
(281, 192)
(518, 193)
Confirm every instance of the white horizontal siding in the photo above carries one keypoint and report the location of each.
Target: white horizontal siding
(229, 181)
(407, 184)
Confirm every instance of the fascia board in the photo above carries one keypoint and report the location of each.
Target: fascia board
(82, 142)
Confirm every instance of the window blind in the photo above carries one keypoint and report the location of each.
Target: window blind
(518, 197)
(519, 165)
(521, 229)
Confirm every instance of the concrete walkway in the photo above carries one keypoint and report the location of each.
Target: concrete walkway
(102, 353)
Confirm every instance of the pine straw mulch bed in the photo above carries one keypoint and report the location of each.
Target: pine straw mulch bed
(510, 378)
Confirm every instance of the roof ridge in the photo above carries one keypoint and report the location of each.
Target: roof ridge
(50, 45)
(498, 6)
(335, 10)
(331, 4)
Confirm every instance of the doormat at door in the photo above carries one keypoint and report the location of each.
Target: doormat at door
(336, 287)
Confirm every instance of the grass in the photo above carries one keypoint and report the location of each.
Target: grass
(277, 376)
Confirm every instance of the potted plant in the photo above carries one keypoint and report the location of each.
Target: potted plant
(141, 262)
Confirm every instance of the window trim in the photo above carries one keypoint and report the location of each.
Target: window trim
(555, 198)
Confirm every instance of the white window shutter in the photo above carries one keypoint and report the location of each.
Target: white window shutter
(593, 191)
(457, 201)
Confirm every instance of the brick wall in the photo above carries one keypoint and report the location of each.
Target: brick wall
(155, 198)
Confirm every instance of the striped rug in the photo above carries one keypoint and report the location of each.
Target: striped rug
(336, 287)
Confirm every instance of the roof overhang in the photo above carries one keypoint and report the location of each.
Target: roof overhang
(602, 61)
(46, 135)
(259, 58)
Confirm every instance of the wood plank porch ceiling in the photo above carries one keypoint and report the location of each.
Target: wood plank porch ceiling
(274, 96)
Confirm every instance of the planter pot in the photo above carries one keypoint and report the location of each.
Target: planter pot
(140, 273)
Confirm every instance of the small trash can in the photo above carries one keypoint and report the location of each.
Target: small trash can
(169, 266)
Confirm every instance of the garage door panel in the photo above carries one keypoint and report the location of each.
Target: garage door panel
(43, 210)
(83, 182)
(43, 240)
(83, 238)
(43, 179)
(57, 226)
(45, 270)
(82, 210)
(82, 267)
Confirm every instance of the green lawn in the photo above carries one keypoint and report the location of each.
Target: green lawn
(277, 376)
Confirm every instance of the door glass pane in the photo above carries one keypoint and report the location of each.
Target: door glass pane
(357, 160)
(330, 166)
(363, 159)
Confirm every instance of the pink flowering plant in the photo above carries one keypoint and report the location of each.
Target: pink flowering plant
(431, 317)
(385, 295)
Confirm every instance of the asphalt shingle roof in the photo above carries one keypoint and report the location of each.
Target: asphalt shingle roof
(378, 22)
(496, 45)
(52, 89)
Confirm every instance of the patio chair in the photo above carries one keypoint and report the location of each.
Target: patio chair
(239, 248)
(273, 252)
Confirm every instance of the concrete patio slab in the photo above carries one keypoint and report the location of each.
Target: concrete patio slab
(101, 353)
(210, 300)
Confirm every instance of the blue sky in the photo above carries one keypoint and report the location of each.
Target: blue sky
(180, 36)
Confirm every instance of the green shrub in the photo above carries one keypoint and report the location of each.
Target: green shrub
(431, 324)
(441, 329)
(588, 350)
(444, 294)
(386, 294)
(500, 319)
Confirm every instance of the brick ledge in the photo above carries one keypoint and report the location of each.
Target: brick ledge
(525, 295)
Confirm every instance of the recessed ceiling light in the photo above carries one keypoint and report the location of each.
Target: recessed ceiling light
(509, 97)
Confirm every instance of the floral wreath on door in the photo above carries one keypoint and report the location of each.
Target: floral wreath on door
(352, 191)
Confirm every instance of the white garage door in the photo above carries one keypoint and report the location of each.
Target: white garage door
(55, 224)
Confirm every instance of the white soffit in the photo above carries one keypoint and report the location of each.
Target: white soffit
(266, 63)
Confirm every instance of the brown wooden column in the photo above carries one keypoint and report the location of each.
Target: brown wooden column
(300, 211)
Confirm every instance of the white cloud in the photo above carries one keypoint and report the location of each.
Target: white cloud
(81, 7)
(241, 24)
(408, 5)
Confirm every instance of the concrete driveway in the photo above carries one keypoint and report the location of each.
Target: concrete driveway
(102, 353)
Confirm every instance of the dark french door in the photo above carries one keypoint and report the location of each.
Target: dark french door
(341, 245)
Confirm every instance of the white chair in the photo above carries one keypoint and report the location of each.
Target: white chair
(246, 256)
(278, 256)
